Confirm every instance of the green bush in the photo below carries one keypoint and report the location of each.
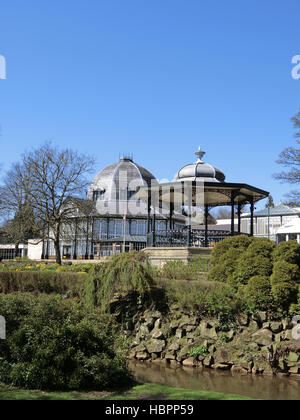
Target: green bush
(261, 247)
(284, 282)
(257, 294)
(51, 345)
(240, 242)
(249, 266)
(222, 302)
(224, 270)
(288, 252)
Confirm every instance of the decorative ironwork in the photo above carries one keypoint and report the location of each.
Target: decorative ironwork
(182, 238)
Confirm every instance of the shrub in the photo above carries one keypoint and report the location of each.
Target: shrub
(222, 302)
(257, 293)
(261, 247)
(226, 267)
(284, 282)
(54, 347)
(288, 252)
(241, 242)
(249, 266)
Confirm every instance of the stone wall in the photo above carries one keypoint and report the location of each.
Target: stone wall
(160, 256)
(250, 345)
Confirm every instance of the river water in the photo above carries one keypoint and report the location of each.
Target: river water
(258, 387)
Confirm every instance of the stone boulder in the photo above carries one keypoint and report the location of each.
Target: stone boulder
(155, 346)
(263, 337)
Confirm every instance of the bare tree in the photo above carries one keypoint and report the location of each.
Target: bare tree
(49, 177)
(16, 207)
(290, 159)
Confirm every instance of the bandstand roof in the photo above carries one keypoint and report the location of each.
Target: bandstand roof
(212, 194)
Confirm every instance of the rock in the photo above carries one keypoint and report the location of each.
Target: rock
(282, 365)
(220, 366)
(153, 314)
(155, 346)
(157, 324)
(254, 347)
(263, 337)
(170, 356)
(149, 323)
(144, 330)
(276, 327)
(238, 370)
(287, 324)
(212, 349)
(293, 357)
(260, 317)
(142, 356)
(190, 362)
(184, 352)
(230, 335)
(180, 333)
(209, 333)
(295, 370)
(190, 328)
(208, 361)
(140, 348)
(223, 357)
(243, 320)
(158, 335)
(174, 347)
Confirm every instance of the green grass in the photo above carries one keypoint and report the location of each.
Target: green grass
(137, 392)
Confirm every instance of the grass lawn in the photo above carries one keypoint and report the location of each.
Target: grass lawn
(137, 392)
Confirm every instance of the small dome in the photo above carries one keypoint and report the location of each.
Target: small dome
(200, 171)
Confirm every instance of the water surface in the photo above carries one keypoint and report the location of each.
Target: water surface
(258, 387)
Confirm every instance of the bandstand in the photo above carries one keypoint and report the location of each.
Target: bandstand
(196, 189)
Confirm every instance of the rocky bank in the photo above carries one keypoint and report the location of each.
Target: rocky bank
(249, 345)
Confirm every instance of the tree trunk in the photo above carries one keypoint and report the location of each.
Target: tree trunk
(57, 245)
(16, 252)
(57, 251)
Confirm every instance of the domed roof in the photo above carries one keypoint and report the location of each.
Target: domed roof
(118, 183)
(200, 171)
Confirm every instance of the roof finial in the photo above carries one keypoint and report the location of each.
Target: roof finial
(200, 153)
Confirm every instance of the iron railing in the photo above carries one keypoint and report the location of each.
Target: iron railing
(186, 237)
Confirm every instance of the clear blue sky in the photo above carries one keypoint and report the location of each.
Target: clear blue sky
(156, 78)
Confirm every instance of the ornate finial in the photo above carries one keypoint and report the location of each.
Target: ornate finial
(200, 154)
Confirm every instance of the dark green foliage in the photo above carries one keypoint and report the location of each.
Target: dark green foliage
(223, 271)
(240, 242)
(284, 281)
(261, 247)
(222, 302)
(51, 345)
(48, 282)
(287, 251)
(249, 266)
(257, 293)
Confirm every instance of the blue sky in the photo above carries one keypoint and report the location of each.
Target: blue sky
(155, 78)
